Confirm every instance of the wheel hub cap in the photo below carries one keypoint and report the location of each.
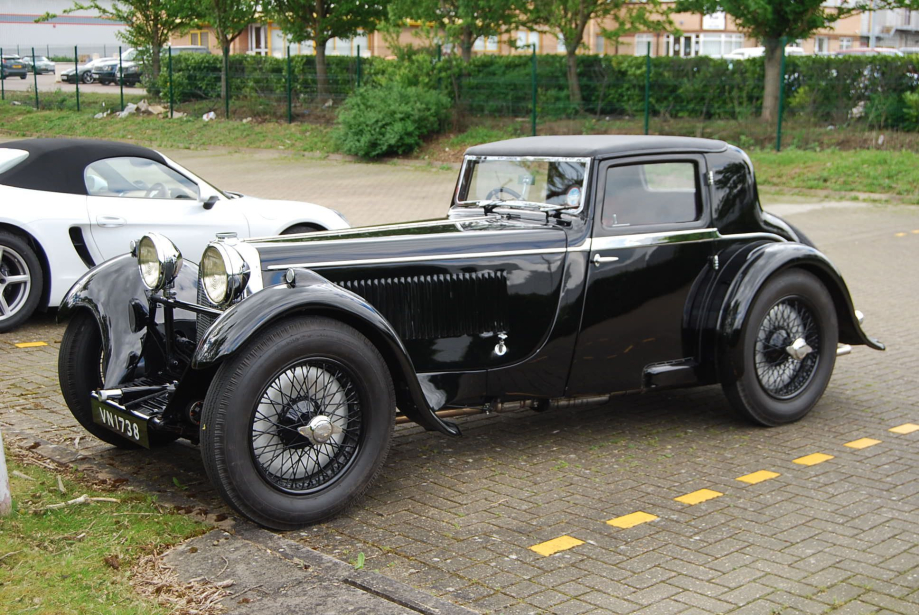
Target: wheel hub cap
(319, 430)
(799, 349)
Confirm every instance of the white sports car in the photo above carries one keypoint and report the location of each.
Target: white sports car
(66, 205)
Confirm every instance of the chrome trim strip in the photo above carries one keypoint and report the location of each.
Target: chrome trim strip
(584, 247)
(360, 240)
(769, 236)
(417, 259)
(365, 229)
(654, 239)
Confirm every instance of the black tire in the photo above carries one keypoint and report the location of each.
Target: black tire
(23, 76)
(774, 388)
(297, 229)
(802, 238)
(20, 298)
(79, 372)
(249, 423)
(87, 78)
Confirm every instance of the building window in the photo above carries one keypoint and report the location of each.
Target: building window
(525, 39)
(488, 45)
(600, 44)
(258, 40)
(822, 44)
(200, 37)
(845, 43)
(641, 44)
(560, 46)
(718, 45)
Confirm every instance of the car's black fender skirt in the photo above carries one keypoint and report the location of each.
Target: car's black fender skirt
(308, 293)
(750, 267)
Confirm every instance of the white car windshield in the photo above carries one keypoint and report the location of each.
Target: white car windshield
(549, 182)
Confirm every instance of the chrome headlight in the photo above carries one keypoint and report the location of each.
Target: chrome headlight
(224, 272)
(159, 261)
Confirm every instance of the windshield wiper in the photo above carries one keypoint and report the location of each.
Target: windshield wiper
(490, 205)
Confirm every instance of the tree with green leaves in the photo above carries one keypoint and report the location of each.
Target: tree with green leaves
(228, 19)
(771, 21)
(460, 22)
(320, 21)
(149, 24)
(568, 19)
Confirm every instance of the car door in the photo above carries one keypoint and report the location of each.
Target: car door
(651, 241)
(130, 196)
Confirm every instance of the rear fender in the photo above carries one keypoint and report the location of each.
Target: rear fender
(311, 294)
(762, 262)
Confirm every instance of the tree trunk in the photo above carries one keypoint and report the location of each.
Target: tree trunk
(466, 44)
(773, 79)
(224, 82)
(155, 61)
(322, 75)
(574, 85)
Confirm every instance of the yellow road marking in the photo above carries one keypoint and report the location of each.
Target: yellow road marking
(631, 520)
(904, 428)
(862, 443)
(899, 235)
(562, 543)
(696, 497)
(31, 344)
(812, 460)
(915, 231)
(758, 477)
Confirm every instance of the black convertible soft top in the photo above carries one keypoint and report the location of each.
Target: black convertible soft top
(57, 165)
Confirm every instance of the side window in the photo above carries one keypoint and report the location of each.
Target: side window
(651, 193)
(137, 178)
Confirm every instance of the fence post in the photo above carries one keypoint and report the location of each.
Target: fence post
(533, 85)
(647, 87)
(290, 111)
(35, 80)
(778, 125)
(6, 495)
(48, 49)
(2, 81)
(121, 77)
(226, 80)
(172, 97)
(358, 66)
(76, 74)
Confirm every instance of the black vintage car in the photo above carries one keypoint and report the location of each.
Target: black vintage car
(568, 270)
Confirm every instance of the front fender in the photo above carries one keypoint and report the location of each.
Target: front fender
(766, 260)
(310, 293)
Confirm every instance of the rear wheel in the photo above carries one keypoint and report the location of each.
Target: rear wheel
(87, 78)
(297, 424)
(21, 281)
(787, 351)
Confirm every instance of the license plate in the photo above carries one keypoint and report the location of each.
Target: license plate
(17, 65)
(121, 421)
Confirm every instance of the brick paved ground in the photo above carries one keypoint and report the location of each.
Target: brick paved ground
(457, 517)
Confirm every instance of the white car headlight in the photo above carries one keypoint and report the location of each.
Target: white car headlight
(224, 272)
(158, 260)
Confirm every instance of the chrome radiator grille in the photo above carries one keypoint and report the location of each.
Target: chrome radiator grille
(203, 321)
(438, 306)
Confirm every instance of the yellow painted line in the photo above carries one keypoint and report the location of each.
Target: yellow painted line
(862, 443)
(899, 234)
(812, 460)
(562, 543)
(758, 477)
(696, 497)
(31, 344)
(905, 428)
(915, 231)
(631, 520)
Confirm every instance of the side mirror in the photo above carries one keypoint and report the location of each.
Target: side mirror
(211, 201)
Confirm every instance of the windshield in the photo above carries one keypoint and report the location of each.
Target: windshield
(553, 182)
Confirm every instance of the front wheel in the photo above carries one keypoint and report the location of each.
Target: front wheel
(87, 78)
(298, 423)
(787, 351)
(21, 281)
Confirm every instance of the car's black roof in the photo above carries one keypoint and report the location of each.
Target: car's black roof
(57, 165)
(592, 146)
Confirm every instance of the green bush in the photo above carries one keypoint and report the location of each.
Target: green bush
(911, 110)
(390, 119)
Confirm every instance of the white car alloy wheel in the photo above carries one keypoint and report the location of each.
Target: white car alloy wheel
(15, 282)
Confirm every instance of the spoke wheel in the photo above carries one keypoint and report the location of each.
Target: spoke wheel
(297, 423)
(784, 358)
(21, 281)
(782, 374)
(311, 393)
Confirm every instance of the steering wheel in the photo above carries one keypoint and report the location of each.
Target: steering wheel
(157, 191)
(494, 193)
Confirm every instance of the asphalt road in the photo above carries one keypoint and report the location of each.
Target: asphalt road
(459, 518)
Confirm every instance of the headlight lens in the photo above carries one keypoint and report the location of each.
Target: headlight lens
(224, 273)
(159, 261)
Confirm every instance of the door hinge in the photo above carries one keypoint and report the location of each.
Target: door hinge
(716, 264)
(710, 178)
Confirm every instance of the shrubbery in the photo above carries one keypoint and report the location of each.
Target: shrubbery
(390, 119)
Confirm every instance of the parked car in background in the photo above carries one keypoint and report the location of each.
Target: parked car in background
(909, 51)
(67, 205)
(568, 271)
(869, 51)
(745, 53)
(179, 49)
(113, 71)
(42, 64)
(13, 66)
(84, 72)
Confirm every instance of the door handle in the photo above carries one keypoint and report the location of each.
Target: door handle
(110, 221)
(599, 260)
